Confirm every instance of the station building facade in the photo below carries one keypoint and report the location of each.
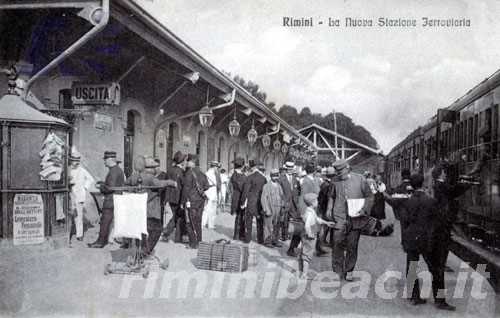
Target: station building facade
(128, 84)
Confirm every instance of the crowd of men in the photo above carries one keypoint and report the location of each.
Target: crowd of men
(332, 206)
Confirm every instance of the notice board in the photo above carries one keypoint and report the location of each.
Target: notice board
(28, 218)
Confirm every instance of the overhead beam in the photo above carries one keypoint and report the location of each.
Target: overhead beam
(353, 156)
(339, 149)
(333, 133)
(130, 69)
(329, 146)
(309, 135)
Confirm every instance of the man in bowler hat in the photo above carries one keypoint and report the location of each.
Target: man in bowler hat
(237, 181)
(114, 178)
(193, 199)
(173, 196)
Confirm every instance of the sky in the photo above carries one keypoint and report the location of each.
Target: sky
(388, 79)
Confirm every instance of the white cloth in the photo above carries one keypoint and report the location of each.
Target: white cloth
(82, 182)
(354, 207)
(130, 215)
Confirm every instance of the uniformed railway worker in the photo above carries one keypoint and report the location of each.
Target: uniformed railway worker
(114, 178)
(347, 185)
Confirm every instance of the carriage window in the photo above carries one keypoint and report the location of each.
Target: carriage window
(470, 136)
(461, 135)
(495, 131)
(488, 122)
(476, 139)
(463, 132)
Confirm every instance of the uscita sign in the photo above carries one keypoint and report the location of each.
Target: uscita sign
(95, 94)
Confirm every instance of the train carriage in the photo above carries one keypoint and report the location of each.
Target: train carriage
(467, 134)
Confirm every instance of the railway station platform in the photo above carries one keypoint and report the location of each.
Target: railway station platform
(71, 282)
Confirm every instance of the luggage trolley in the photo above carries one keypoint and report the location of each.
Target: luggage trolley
(135, 264)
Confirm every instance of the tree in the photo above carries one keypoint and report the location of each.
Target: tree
(289, 113)
(254, 90)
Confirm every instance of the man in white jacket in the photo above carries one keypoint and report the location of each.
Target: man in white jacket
(213, 194)
(81, 182)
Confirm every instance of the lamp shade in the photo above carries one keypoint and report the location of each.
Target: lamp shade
(252, 136)
(206, 116)
(234, 128)
(266, 141)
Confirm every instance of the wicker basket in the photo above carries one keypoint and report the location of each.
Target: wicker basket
(222, 255)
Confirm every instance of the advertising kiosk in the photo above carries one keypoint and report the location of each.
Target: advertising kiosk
(34, 173)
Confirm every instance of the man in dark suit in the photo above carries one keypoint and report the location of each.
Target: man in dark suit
(237, 182)
(114, 178)
(291, 194)
(173, 196)
(252, 192)
(446, 191)
(419, 239)
(193, 199)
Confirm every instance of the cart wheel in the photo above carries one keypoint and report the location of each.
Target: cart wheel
(107, 269)
(145, 274)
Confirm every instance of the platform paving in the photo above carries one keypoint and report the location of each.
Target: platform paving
(67, 282)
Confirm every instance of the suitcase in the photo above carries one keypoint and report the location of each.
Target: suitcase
(222, 255)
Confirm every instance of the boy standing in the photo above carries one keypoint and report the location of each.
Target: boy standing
(311, 229)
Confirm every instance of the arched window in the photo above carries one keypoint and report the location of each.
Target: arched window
(133, 120)
(173, 134)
